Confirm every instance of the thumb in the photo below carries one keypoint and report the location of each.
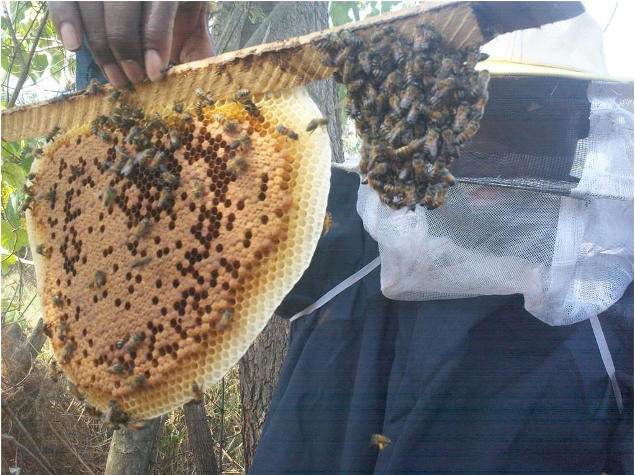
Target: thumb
(192, 40)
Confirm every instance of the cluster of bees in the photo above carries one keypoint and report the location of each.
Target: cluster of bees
(415, 104)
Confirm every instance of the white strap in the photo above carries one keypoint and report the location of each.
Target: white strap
(338, 289)
(605, 353)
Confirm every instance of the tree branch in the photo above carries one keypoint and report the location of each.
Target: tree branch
(7, 439)
(24, 74)
(25, 433)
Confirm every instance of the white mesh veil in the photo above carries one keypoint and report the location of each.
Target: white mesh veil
(544, 207)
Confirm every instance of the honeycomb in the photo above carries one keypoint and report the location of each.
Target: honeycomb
(166, 239)
(415, 102)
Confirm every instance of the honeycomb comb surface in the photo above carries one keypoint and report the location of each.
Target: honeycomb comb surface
(143, 312)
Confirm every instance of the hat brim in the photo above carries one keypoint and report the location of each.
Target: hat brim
(506, 68)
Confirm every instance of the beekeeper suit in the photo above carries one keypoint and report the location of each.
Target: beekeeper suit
(494, 334)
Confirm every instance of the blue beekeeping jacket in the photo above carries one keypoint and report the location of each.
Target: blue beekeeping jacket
(466, 386)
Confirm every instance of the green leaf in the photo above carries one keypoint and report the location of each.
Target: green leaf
(8, 237)
(40, 62)
(386, 6)
(26, 162)
(22, 239)
(7, 264)
(13, 175)
(339, 12)
(11, 209)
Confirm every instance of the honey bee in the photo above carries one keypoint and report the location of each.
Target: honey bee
(376, 37)
(133, 135)
(115, 415)
(461, 117)
(467, 134)
(349, 38)
(328, 220)
(53, 371)
(52, 133)
(99, 280)
(387, 124)
(175, 138)
(474, 57)
(398, 53)
(394, 104)
(93, 412)
(282, 130)
(378, 171)
(251, 108)
(46, 330)
(109, 195)
(243, 139)
(481, 84)
(225, 320)
(61, 331)
(364, 61)
(141, 263)
(413, 113)
(170, 179)
(224, 121)
(139, 381)
(75, 391)
(379, 74)
(355, 86)
(342, 56)
(197, 393)
(239, 163)
(164, 198)
(421, 169)
(41, 250)
(135, 343)
(315, 123)
(199, 93)
(241, 95)
(57, 301)
(430, 142)
(114, 96)
(94, 87)
(50, 196)
(94, 129)
(157, 160)
(120, 343)
(393, 81)
(67, 352)
(187, 117)
(408, 150)
(178, 108)
(394, 135)
(196, 188)
(408, 98)
(199, 108)
(446, 69)
(128, 167)
(478, 108)
(117, 368)
(103, 135)
(439, 116)
(142, 228)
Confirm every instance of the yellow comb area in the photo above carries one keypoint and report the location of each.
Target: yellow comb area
(166, 249)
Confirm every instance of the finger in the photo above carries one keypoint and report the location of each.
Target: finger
(191, 40)
(158, 24)
(123, 30)
(199, 43)
(68, 23)
(95, 28)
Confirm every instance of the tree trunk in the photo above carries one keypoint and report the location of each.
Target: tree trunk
(200, 439)
(130, 451)
(261, 364)
(259, 370)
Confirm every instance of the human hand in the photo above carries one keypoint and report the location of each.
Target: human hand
(132, 40)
